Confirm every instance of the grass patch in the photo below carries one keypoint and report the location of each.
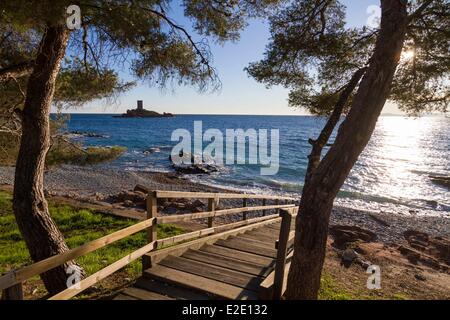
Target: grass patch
(78, 227)
(330, 289)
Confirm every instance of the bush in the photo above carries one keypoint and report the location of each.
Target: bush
(73, 154)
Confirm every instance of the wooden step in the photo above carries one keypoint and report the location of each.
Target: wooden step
(169, 290)
(266, 242)
(251, 242)
(271, 227)
(192, 281)
(121, 296)
(220, 274)
(141, 294)
(238, 255)
(226, 262)
(264, 233)
(241, 245)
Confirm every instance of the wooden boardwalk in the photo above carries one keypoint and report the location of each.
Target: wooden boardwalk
(231, 268)
(245, 259)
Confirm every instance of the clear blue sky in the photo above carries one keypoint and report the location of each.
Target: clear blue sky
(239, 94)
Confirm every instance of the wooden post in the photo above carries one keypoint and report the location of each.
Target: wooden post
(211, 207)
(277, 202)
(244, 204)
(264, 203)
(286, 219)
(13, 293)
(152, 232)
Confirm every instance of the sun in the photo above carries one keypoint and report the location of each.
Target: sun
(408, 55)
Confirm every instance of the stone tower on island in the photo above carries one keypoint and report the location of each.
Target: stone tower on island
(140, 112)
(140, 105)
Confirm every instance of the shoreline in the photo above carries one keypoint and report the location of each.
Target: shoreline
(91, 182)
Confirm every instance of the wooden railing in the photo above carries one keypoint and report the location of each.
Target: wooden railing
(11, 282)
(274, 286)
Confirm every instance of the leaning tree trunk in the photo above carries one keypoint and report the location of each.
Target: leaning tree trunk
(322, 187)
(41, 234)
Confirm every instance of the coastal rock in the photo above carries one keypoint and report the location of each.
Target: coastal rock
(130, 199)
(348, 256)
(195, 169)
(442, 181)
(86, 134)
(420, 277)
(151, 150)
(133, 196)
(415, 257)
(345, 235)
(436, 247)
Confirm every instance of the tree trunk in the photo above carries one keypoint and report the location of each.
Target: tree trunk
(41, 234)
(353, 135)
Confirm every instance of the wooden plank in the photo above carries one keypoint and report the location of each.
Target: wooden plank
(266, 287)
(152, 212)
(260, 237)
(268, 242)
(216, 213)
(152, 232)
(244, 205)
(184, 236)
(188, 280)
(206, 195)
(211, 208)
(253, 242)
(144, 294)
(273, 227)
(226, 262)
(13, 293)
(204, 232)
(27, 272)
(243, 223)
(169, 290)
(243, 246)
(103, 273)
(156, 256)
(238, 255)
(121, 296)
(216, 273)
(280, 264)
(261, 233)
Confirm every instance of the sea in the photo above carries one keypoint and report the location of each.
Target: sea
(392, 174)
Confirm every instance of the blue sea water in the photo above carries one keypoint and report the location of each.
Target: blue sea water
(392, 174)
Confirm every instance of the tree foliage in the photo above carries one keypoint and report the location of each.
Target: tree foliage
(138, 36)
(313, 53)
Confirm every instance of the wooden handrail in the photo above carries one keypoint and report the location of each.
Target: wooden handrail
(274, 285)
(217, 213)
(20, 275)
(102, 274)
(15, 278)
(209, 195)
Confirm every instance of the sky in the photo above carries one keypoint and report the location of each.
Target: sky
(239, 93)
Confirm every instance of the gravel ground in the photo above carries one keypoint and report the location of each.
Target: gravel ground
(86, 181)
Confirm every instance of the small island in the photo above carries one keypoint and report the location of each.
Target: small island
(140, 112)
